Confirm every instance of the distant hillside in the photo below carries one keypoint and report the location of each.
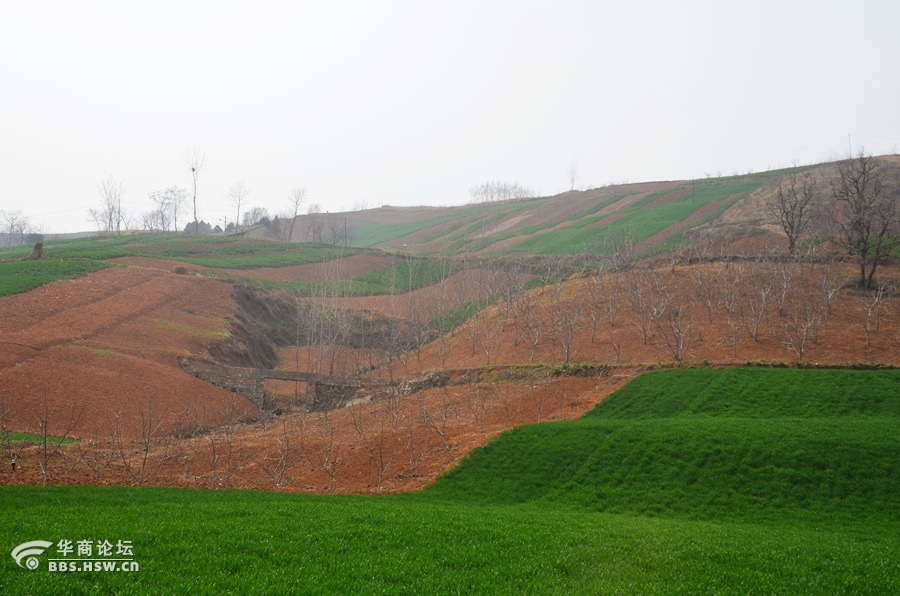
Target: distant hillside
(656, 216)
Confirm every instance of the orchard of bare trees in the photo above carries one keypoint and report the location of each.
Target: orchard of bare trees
(16, 229)
(489, 192)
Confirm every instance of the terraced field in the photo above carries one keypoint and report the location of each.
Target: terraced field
(766, 461)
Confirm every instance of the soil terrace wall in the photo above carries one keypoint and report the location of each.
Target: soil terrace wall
(246, 381)
(322, 392)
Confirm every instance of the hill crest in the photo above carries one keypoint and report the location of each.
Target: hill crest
(656, 216)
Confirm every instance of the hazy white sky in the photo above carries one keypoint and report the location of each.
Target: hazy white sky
(414, 102)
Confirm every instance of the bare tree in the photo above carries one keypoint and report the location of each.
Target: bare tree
(782, 282)
(160, 215)
(512, 290)
(830, 287)
(414, 444)
(565, 316)
(151, 425)
(255, 215)
(872, 304)
(754, 291)
(791, 206)
(539, 394)
(297, 196)
(330, 458)
(359, 414)
(194, 161)
(612, 289)
(234, 460)
(110, 216)
(237, 193)
(168, 203)
(380, 457)
(639, 299)
(534, 325)
(616, 346)
(438, 418)
(46, 412)
(213, 440)
(12, 448)
(594, 286)
(336, 228)
(487, 325)
(866, 218)
(15, 226)
(706, 283)
(177, 199)
(512, 403)
(477, 400)
(284, 459)
(440, 307)
(488, 192)
(675, 319)
(620, 249)
(152, 222)
(99, 456)
(314, 223)
(393, 345)
(731, 279)
(802, 321)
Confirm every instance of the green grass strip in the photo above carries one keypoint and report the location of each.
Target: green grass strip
(17, 277)
(31, 439)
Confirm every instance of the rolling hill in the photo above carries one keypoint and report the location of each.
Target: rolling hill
(458, 355)
(657, 216)
(107, 341)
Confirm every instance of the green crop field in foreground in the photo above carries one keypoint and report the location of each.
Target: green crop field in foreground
(742, 445)
(245, 542)
(738, 481)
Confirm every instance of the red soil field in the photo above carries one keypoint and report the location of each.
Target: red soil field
(103, 351)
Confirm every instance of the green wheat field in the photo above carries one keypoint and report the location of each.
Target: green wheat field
(690, 481)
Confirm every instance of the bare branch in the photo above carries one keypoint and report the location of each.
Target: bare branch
(791, 207)
(865, 221)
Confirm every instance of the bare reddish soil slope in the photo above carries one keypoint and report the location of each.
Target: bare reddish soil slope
(552, 318)
(99, 351)
(106, 347)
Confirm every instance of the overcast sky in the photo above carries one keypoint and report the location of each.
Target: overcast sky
(369, 103)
